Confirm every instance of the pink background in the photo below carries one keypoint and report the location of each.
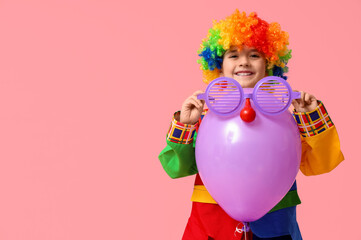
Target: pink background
(87, 91)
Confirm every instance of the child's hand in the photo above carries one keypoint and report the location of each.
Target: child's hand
(307, 103)
(192, 109)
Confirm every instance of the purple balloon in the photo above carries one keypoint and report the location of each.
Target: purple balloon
(248, 167)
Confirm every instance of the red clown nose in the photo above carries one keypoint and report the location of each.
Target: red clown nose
(247, 113)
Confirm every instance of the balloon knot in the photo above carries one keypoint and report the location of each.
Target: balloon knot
(244, 228)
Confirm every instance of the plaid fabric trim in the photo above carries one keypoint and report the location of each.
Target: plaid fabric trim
(181, 133)
(313, 123)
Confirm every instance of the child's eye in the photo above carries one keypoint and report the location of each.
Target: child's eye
(255, 56)
(233, 56)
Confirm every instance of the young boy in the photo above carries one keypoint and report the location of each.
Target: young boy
(247, 48)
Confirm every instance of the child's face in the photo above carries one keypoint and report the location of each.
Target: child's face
(247, 66)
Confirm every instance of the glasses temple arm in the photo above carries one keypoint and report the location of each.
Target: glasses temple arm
(296, 95)
(201, 96)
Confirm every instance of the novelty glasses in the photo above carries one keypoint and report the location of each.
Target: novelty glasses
(271, 95)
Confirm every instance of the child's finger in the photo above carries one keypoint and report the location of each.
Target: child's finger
(295, 103)
(302, 99)
(193, 102)
(310, 98)
(199, 102)
(188, 103)
(196, 93)
(307, 97)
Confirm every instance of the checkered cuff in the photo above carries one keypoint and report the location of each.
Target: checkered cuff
(313, 123)
(181, 133)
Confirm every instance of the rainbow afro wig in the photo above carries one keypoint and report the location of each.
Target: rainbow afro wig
(240, 30)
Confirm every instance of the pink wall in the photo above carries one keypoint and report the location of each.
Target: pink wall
(87, 90)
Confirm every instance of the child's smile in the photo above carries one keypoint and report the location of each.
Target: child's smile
(244, 73)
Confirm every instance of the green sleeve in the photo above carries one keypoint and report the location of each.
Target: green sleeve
(178, 160)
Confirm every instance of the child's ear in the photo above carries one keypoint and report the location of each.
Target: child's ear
(221, 73)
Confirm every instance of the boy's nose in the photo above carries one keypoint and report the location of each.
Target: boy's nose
(243, 62)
